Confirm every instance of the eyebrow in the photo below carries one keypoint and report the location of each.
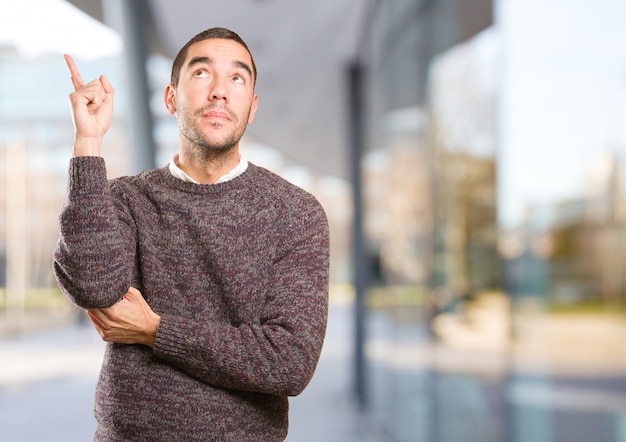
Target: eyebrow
(209, 60)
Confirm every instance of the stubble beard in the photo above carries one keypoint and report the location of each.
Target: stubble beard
(199, 144)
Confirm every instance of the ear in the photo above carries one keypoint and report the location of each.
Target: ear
(169, 97)
(253, 108)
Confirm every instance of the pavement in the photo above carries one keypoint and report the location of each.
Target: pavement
(564, 379)
(48, 377)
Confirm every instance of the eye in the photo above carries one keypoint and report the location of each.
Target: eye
(200, 74)
(239, 79)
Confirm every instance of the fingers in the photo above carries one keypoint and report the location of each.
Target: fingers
(77, 80)
(95, 320)
(97, 317)
(106, 85)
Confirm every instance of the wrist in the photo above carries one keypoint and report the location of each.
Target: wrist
(152, 329)
(86, 146)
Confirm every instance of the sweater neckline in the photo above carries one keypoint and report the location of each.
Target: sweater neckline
(184, 186)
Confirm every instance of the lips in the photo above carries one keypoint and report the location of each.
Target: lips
(217, 114)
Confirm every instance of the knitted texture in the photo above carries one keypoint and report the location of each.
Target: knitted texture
(237, 271)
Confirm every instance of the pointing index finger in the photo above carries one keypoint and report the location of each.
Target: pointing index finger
(77, 80)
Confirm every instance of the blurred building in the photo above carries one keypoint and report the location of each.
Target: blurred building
(580, 244)
(483, 233)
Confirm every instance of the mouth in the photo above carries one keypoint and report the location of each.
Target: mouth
(216, 115)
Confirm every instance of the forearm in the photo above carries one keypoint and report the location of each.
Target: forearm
(94, 258)
(274, 357)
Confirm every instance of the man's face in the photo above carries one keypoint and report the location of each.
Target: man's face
(214, 100)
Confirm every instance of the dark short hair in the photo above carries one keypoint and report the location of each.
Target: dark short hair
(222, 33)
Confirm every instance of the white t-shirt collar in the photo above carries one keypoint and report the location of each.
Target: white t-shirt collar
(177, 172)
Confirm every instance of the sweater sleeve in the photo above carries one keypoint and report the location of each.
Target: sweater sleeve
(277, 355)
(94, 257)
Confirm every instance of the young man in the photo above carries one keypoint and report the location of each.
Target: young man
(208, 278)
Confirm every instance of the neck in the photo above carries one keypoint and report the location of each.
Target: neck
(208, 167)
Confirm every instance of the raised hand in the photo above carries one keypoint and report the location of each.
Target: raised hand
(92, 111)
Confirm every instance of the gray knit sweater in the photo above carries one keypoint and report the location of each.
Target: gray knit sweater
(238, 272)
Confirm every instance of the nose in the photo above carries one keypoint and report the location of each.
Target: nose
(218, 89)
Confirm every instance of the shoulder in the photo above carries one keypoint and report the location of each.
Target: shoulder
(141, 190)
(295, 213)
(146, 179)
(280, 191)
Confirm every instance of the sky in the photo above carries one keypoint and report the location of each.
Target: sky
(563, 104)
(37, 27)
